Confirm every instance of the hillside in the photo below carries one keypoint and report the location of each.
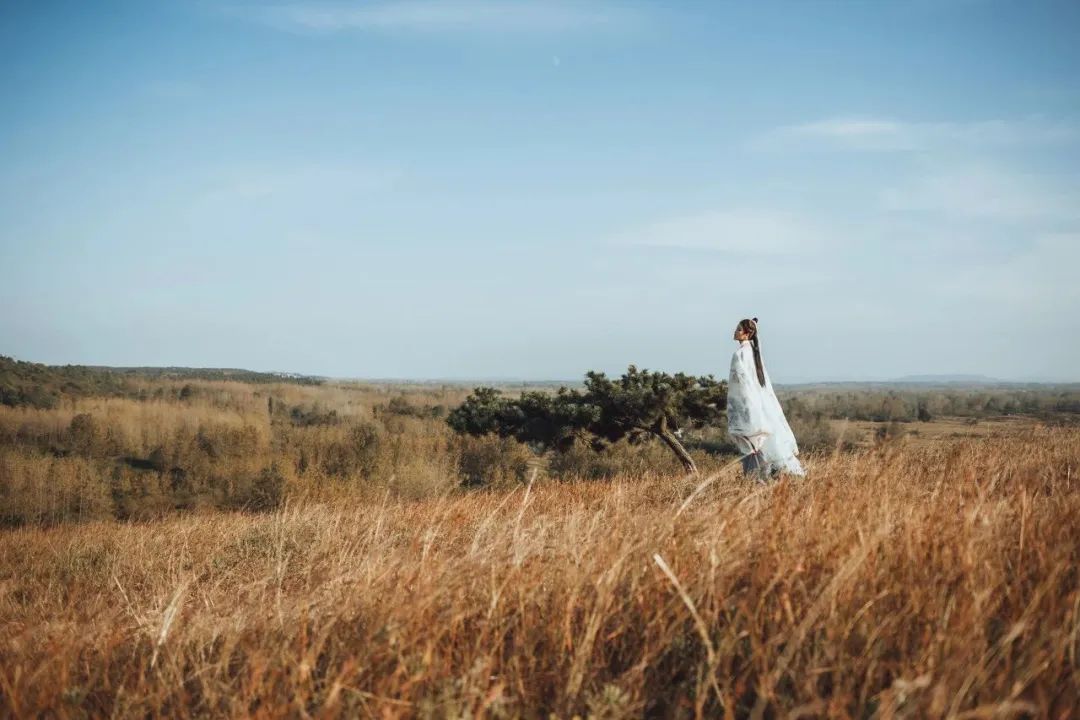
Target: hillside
(36, 385)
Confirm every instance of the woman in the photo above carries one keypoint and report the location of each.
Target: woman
(756, 421)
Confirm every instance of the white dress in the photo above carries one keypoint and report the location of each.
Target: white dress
(755, 419)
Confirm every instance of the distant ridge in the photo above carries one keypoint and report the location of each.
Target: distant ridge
(42, 386)
(177, 372)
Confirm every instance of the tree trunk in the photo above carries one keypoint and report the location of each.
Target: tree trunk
(661, 431)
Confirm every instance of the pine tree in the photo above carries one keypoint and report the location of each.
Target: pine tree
(639, 405)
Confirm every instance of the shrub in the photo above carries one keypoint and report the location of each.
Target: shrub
(892, 431)
(813, 433)
(36, 488)
(365, 440)
(262, 492)
(314, 415)
(341, 452)
(158, 459)
(489, 460)
(88, 437)
(399, 405)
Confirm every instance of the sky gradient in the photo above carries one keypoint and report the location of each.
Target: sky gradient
(532, 189)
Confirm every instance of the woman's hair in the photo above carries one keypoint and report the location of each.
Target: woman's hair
(750, 328)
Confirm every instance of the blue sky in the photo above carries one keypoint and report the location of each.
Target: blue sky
(490, 188)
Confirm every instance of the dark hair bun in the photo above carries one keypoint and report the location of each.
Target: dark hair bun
(754, 319)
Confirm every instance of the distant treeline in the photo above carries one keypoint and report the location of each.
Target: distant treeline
(212, 374)
(924, 404)
(41, 386)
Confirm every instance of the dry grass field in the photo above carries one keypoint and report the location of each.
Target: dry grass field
(908, 579)
(942, 430)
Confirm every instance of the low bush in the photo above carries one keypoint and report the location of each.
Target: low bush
(491, 461)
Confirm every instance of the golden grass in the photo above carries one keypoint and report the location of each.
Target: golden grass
(904, 581)
(183, 446)
(940, 430)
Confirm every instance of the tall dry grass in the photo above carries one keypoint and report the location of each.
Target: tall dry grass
(906, 581)
(182, 446)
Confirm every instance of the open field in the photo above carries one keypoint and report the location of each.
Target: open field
(909, 580)
(863, 433)
(191, 547)
(93, 444)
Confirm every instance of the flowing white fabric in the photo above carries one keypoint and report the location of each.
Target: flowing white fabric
(755, 419)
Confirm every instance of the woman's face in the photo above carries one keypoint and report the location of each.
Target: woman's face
(740, 334)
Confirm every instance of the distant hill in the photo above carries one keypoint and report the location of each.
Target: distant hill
(37, 385)
(186, 373)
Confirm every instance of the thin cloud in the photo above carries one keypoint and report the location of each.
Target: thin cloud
(988, 194)
(891, 135)
(441, 16)
(1040, 280)
(744, 232)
